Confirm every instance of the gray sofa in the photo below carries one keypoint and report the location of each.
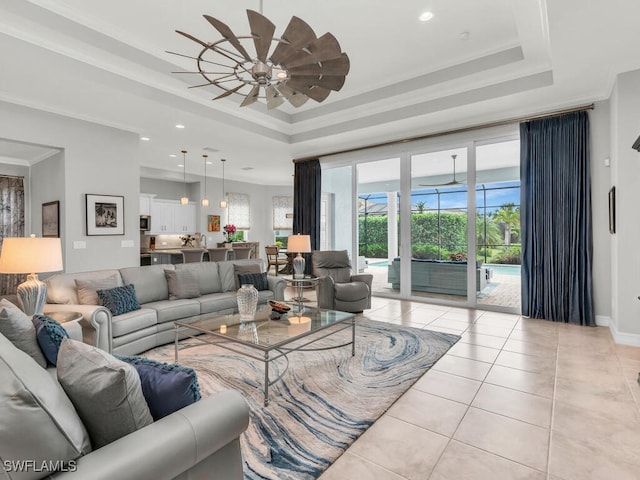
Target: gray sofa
(140, 330)
(41, 425)
(438, 276)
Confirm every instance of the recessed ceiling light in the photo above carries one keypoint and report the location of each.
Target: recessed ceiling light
(179, 125)
(145, 139)
(172, 155)
(180, 165)
(209, 163)
(425, 16)
(246, 168)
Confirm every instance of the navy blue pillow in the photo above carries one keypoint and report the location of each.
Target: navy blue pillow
(258, 280)
(119, 300)
(49, 334)
(166, 387)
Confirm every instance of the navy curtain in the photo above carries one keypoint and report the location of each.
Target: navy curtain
(306, 204)
(556, 219)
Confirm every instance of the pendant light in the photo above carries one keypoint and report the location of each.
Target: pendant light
(185, 199)
(205, 201)
(223, 202)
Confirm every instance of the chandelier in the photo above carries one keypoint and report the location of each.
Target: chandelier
(300, 66)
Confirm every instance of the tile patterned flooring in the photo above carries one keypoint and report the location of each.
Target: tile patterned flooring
(514, 399)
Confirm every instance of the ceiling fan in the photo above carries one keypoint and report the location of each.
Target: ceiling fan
(453, 181)
(301, 66)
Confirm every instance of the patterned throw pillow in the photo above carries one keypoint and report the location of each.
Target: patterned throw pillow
(258, 280)
(166, 387)
(49, 334)
(119, 300)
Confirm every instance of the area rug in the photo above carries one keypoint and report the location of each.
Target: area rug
(325, 400)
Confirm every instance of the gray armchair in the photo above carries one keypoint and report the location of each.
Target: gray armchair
(337, 289)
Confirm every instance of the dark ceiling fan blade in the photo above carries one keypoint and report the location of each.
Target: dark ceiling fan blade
(318, 94)
(191, 37)
(332, 82)
(311, 69)
(323, 48)
(297, 34)
(262, 30)
(273, 99)
(226, 32)
(300, 82)
(444, 184)
(295, 98)
(336, 66)
(229, 92)
(252, 97)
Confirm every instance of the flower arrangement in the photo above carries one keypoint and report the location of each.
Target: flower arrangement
(228, 231)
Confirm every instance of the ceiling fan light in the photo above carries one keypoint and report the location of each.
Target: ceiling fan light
(425, 16)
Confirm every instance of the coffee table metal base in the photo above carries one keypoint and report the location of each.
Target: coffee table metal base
(282, 351)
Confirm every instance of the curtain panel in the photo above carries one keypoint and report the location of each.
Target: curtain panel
(557, 244)
(307, 193)
(11, 224)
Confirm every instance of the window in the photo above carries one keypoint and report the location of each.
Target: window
(282, 213)
(240, 211)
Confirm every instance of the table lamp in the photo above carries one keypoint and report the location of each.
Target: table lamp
(31, 255)
(301, 244)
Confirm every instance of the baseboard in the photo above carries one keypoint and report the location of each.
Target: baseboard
(622, 338)
(603, 320)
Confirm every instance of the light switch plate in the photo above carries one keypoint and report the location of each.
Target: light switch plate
(126, 243)
(79, 244)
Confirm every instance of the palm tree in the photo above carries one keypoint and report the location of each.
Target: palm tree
(509, 216)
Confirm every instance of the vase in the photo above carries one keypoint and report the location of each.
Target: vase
(247, 302)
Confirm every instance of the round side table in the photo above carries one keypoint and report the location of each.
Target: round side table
(300, 284)
(64, 316)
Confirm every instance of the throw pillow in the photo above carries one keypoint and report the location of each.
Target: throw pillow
(17, 327)
(39, 422)
(119, 300)
(105, 391)
(49, 334)
(239, 268)
(166, 387)
(258, 280)
(87, 290)
(182, 284)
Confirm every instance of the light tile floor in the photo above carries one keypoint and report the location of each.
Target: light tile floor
(514, 399)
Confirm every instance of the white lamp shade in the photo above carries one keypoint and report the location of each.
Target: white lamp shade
(30, 255)
(299, 243)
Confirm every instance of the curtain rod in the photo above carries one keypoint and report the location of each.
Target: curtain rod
(2, 175)
(499, 123)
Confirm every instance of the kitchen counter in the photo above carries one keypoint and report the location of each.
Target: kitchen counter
(164, 255)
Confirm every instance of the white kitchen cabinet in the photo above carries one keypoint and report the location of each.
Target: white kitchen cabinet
(184, 218)
(145, 203)
(169, 217)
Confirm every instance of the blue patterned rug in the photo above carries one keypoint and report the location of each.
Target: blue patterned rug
(325, 400)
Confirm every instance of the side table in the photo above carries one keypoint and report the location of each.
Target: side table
(300, 284)
(64, 317)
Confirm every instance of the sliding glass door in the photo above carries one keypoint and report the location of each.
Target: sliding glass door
(404, 218)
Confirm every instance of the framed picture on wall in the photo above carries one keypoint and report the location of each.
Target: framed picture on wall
(51, 219)
(105, 214)
(213, 223)
(612, 210)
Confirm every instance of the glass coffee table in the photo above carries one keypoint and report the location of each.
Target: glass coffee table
(266, 339)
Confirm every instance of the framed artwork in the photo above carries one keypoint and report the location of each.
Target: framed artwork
(105, 214)
(612, 210)
(213, 223)
(51, 219)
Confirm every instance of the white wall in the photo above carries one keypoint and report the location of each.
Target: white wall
(625, 175)
(599, 120)
(97, 159)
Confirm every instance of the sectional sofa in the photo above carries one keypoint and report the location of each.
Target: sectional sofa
(139, 330)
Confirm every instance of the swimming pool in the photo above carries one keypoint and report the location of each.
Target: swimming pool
(500, 269)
